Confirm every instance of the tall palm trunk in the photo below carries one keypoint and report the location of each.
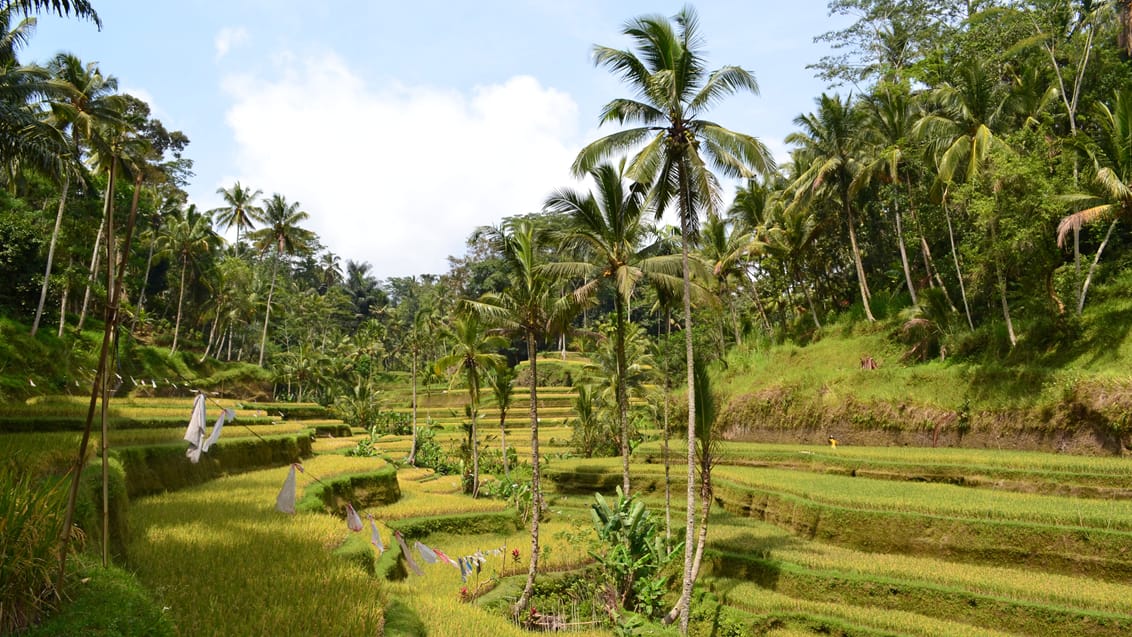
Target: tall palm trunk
(180, 302)
(620, 390)
(475, 441)
(958, 270)
(145, 278)
(63, 305)
(503, 439)
(862, 283)
(51, 252)
(1093, 268)
(683, 604)
(412, 459)
(93, 268)
(904, 255)
(267, 314)
(536, 487)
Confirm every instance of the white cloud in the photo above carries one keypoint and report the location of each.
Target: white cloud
(227, 38)
(400, 175)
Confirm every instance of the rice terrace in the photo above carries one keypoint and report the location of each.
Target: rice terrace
(870, 375)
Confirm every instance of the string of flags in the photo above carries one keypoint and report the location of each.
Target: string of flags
(467, 564)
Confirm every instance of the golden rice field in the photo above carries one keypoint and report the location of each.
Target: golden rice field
(220, 551)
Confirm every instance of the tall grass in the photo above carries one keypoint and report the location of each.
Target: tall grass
(31, 518)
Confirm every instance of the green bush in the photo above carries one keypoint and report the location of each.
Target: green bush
(105, 602)
(31, 518)
(88, 506)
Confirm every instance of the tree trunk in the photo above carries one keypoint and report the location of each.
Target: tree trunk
(63, 305)
(267, 314)
(536, 488)
(667, 463)
(503, 438)
(475, 442)
(684, 602)
(904, 256)
(862, 283)
(93, 267)
(51, 253)
(180, 301)
(145, 279)
(958, 270)
(620, 389)
(1124, 28)
(1093, 268)
(412, 459)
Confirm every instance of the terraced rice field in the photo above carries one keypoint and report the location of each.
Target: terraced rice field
(803, 540)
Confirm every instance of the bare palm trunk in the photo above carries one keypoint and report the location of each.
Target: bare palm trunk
(412, 459)
(63, 306)
(180, 302)
(475, 453)
(862, 283)
(759, 304)
(211, 338)
(536, 487)
(145, 278)
(622, 399)
(51, 253)
(503, 439)
(667, 456)
(1093, 268)
(958, 270)
(684, 602)
(267, 314)
(93, 268)
(904, 256)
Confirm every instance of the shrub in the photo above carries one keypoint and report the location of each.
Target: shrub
(31, 519)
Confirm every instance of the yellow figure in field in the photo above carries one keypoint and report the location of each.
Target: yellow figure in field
(833, 442)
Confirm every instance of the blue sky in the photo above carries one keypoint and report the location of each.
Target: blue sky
(401, 126)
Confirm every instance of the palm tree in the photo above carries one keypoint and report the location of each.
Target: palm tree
(1110, 148)
(610, 227)
(473, 352)
(788, 234)
(502, 382)
(530, 308)
(281, 235)
(85, 102)
(959, 133)
(81, 8)
(239, 209)
(674, 90)
(726, 249)
(186, 239)
(330, 270)
(828, 140)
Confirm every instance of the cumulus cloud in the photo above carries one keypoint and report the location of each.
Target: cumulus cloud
(398, 175)
(227, 38)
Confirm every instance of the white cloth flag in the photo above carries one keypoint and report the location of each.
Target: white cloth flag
(375, 537)
(225, 416)
(353, 520)
(285, 501)
(194, 434)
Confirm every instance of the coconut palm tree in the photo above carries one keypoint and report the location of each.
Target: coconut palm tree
(675, 148)
(239, 209)
(609, 226)
(959, 134)
(530, 308)
(829, 142)
(81, 8)
(726, 250)
(502, 382)
(84, 103)
(1110, 149)
(186, 240)
(281, 235)
(472, 354)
